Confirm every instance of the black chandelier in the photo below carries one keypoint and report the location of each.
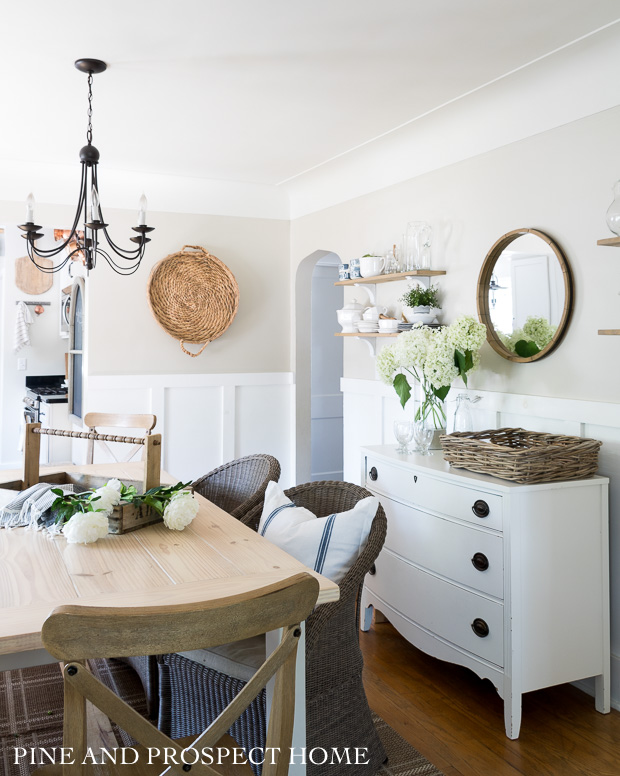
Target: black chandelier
(88, 241)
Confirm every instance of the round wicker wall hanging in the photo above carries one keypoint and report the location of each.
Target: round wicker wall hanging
(193, 296)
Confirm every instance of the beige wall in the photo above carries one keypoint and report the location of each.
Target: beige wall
(559, 182)
(126, 339)
(123, 336)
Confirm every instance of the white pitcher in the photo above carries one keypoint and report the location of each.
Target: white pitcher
(371, 265)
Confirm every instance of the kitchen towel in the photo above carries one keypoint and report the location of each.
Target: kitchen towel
(22, 323)
(28, 507)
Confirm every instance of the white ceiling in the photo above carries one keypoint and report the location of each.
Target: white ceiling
(256, 91)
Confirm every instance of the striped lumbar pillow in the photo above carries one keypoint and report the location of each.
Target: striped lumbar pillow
(329, 545)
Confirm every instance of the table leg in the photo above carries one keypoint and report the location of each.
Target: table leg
(297, 767)
(602, 693)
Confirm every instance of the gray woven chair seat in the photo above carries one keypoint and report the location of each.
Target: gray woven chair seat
(240, 659)
(337, 712)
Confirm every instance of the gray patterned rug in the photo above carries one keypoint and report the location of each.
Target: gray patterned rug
(31, 717)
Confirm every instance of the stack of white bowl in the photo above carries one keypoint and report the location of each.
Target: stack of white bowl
(388, 325)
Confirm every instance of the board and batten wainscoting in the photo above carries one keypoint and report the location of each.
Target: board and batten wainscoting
(205, 420)
(370, 408)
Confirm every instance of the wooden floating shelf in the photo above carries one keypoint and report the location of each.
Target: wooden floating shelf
(423, 273)
(612, 241)
(361, 334)
(612, 332)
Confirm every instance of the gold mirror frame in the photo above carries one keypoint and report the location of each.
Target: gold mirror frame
(484, 279)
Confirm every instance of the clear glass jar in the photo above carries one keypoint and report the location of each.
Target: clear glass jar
(418, 239)
(463, 419)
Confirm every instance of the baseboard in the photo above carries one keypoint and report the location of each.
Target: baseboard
(587, 685)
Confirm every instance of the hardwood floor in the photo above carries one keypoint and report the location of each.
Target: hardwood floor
(456, 719)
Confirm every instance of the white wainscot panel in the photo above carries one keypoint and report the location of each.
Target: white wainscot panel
(205, 420)
(192, 430)
(263, 416)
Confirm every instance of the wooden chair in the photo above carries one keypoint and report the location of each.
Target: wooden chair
(94, 420)
(74, 633)
(337, 711)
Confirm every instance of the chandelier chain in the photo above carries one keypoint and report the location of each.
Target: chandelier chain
(89, 131)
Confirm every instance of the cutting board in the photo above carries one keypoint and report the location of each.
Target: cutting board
(31, 280)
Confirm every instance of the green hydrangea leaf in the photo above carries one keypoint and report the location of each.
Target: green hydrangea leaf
(526, 348)
(402, 388)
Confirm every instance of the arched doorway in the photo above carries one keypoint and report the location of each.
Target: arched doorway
(318, 368)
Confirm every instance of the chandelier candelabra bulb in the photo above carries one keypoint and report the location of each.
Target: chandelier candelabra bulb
(143, 204)
(30, 208)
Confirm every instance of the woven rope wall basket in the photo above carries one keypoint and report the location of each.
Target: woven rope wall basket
(193, 296)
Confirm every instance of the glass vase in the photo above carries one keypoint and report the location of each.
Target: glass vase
(613, 211)
(418, 239)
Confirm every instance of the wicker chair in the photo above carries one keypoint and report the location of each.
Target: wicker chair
(337, 711)
(239, 486)
(236, 487)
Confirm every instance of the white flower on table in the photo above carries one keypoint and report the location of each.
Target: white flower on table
(86, 527)
(181, 510)
(107, 497)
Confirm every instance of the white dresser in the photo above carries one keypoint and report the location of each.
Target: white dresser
(509, 580)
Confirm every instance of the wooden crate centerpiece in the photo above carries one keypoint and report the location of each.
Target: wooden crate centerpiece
(125, 517)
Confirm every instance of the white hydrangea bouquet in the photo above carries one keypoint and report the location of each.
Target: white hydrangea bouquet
(83, 517)
(535, 335)
(435, 358)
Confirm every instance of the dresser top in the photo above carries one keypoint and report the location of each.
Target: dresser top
(435, 464)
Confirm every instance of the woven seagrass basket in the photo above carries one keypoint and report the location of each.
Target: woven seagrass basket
(193, 296)
(522, 456)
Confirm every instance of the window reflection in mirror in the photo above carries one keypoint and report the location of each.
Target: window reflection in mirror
(524, 294)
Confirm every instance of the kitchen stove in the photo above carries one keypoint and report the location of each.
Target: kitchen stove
(48, 389)
(46, 402)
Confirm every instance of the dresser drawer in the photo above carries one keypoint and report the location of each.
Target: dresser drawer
(466, 555)
(417, 488)
(441, 607)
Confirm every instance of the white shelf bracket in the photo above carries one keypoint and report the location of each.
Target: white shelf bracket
(372, 344)
(370, 290)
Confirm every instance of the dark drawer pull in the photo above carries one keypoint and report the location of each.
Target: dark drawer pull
(480, 508)
(480, 628)
(373, 570)
(480, 561)
(373, 474)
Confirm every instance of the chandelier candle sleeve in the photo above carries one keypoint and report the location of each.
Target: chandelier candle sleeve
(90, 245)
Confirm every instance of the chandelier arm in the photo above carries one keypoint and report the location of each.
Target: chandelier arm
(47, 253)
(116, 267)
(123, 253)
(47, 270)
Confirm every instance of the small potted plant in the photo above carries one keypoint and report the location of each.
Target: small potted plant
(421, 305)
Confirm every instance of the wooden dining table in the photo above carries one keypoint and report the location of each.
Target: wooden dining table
(216, 555)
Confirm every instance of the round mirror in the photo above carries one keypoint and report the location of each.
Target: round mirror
(525, 295)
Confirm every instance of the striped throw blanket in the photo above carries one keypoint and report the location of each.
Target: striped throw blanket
(31, 507)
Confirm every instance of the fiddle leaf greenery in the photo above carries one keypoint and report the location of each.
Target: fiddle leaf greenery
(68, 504)
(421, 297)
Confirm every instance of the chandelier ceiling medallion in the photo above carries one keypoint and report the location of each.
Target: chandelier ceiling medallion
(88, 241)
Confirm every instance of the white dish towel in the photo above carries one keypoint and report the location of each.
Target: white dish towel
(22, 323)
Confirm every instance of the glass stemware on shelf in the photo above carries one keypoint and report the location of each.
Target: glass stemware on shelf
(403, 431)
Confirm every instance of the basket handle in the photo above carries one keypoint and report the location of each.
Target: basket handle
(193, 355)
(193, 248)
